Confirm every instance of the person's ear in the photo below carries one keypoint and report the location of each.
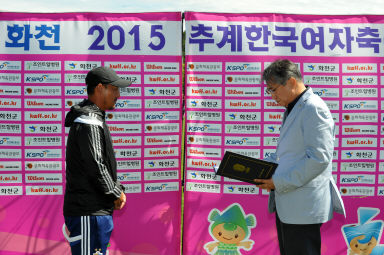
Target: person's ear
(292, 82)
(99, 88)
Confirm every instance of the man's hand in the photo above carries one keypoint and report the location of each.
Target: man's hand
(265, 184)
(120, 202)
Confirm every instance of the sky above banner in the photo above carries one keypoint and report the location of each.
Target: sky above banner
(325, 7)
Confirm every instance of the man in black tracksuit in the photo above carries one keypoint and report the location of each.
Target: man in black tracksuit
(92, 190)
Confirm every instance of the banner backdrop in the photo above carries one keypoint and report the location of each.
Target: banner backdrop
(341, 59)
(44, 59)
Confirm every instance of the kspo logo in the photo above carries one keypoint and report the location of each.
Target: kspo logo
(197, 129)
(35, 79)
(268, 154)
(321, 92)
(126, 103)
(37, 154)
(75, 91)
(350, 179)
(354, 106)
(237, 68)
(156, 188)
(123, 177)
(121, 104)
(236, 141)
(156, 116)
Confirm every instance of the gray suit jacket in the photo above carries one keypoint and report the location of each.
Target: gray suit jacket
(305, 192)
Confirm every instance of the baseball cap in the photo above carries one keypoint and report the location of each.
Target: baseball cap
(105, 75)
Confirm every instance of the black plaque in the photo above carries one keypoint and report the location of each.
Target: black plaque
(246, 169)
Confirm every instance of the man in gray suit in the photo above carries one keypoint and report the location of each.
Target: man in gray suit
(303, 193)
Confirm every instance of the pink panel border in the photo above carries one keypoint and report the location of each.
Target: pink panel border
(92, 16)
(291, 18)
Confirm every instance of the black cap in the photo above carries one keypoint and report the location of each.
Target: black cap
(105, 75)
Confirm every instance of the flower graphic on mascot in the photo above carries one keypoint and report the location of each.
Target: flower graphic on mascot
(231, 230)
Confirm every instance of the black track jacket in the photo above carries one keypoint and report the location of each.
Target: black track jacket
(91, 178)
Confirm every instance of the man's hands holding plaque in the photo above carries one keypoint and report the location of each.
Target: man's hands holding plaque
(265, 184)
(246, 169)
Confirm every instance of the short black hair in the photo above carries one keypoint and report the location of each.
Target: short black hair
(280, 71)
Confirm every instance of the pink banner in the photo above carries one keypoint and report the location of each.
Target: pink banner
(227, 109)
(43, 62)
(44, 59)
